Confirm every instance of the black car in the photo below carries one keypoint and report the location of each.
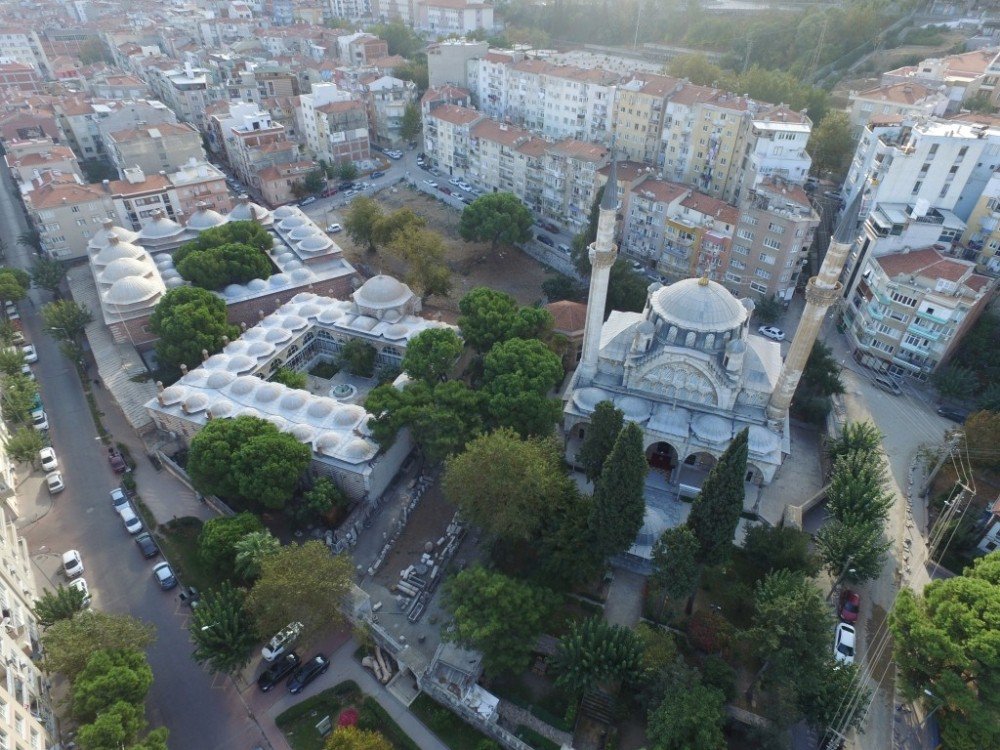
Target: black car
(147, 546)
(279, 670)
(545, 240)
(377, 173)
(307, 673)
(955, 415)
(346, 185)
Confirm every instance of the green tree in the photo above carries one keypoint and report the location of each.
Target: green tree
(360, 222)
(856, 550)
(862, 437)
(619, 504)
(820, 380)
(409, 126)
(218, 538)
(560, 287)
(605, 424)
(346, 170)
(518, 376)
(955, 381)
(17, 399)
(301, 583)
(30, 239)
(593, 653)
(487, 317)
(856, 493)
(387, 226)
(779, 548)
(358, 357)
(251, 550)
(69, 643)
(831, 144)
(234, 232)
(116, 727)
(66, 320)
(353, 738)
(431, 354)
(627, 290)
(416, 71)
(497, 615)
(768, 310)
(497, 218)
(210, 457)
(504, 484)
(945, 642)
(223, 630)
(93, 51)
(563, 550)
(23, 444)
(715, 512)
(980, 104)
(423, 252)
(188, 320)
(676, 571)
(696, 68)
(11, 361)
(60, 604)
(689, 716)
(108, 678)
(291, 378)
(217, 267)
(315, 180)
(48, 274)
(402, 40)
(820, 696)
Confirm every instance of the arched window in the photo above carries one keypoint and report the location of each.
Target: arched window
(690, 339)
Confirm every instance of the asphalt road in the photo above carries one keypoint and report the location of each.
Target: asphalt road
(199, 712)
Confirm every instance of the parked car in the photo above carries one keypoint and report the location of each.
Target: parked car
(770, 332)
(72, 563)
(164, 576)
(445, 190)
(307, 201)
(80, 584)
(334, 228)
(30, 355)
(12, 313)
(38, 420)
(955, 415)
(394, 154)
(119, 499)
(346, 185)
(329, 192)
(47, 457)
(464, 185)
(887, 384)
(147, 545)
(430, 183)
(455, 181)
(843, 643)
(54, 482)
(548, 226)
(26, 371)
(467, 200)
(563, 248)
(281, 641)
(636, 265)
(133, 525)
(280, 668)
(850, 606)
(377, 173)
(307, 672)
(545, 240)
(117, 461)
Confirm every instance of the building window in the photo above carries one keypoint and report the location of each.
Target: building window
(762, 274)
(765, 258)
(745, 234)
(741, 249)
(903, 300)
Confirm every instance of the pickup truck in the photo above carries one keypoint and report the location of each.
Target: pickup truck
(117, 461)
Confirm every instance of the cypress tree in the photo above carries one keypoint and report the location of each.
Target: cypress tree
(715, 512)
(619, 505)
(605, 424)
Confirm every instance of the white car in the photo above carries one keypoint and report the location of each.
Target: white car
(334, 228)
(72, 564)
(430, 183)
(132, 523)
(119, 499)
(54, 482)
(80, 584)
(464, 185)
(770, 332)
(30, 355)
(281, 641)
(26, 371)
(38, 420)
(843, 643)
(12, 313)
(456, 181)
(47, 456)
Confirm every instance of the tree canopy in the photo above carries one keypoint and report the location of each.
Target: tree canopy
(690, 715)
(69, 643)
(360, 222)
(619, 504)
(832, 143)
(594, 652)
(60, 604)
(675, 563)
(423, 252)
(488, 317)
(188, 320)
(431, 354)
(221, 265)
(605, 424)
(223, 630)
(234, 232)
(218, 538)
(354, 738)
(497, 218)
(715, 512)
(109, 677)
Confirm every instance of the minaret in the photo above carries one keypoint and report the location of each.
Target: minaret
(821, 292)
(603, 253)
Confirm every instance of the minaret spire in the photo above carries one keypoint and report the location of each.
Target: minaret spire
(603, 253)
(822, 291)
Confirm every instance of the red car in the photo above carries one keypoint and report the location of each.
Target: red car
(850, 606)
(117, 461)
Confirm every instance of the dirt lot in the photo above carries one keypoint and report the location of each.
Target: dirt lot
(472, 263)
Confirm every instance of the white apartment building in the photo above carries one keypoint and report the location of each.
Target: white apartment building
(774, 148)
(23, 46)
(387, 98)
(349, 9)
(447, 136)
(444, 17)
(66, 215)
(161, 148)
(335, 126)
(448, 61)
(489, 81)
(897, 99)
(187, 91)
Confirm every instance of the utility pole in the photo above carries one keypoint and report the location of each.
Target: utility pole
(843, 574)
(949, 446)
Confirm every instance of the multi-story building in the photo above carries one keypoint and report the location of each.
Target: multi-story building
(109, 85)
(18, 44)
(66, 215)
(640, 104)
(29, 159)
(962, 76)
(908, 311)
(448, 61)
(139, 197)
(982, 234)
(447, 94)
(774, 147)
(252, 142)
(387, 99)
(444, 17)
(489, 81)
(348, 9)
(334, 125)
(277, 183)
(446, 138)
(17, 76)
(87, 122)
(361, 48)
(163, 148)
(896, 99)
(570, 181)
(187, 91)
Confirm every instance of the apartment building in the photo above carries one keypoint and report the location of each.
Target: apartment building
(961, 76)
(570, 181)
(909, 310)
(361, 48)
(29, 159)
(109, 85)
(448, 61)
(277, 183)
(163, 148)
(896, 99)
(774, 147)
(138, 197)
(387, 98)
(87, 121)
(23, 46)
(334, 125)
(17, 76)
(26, 716)
(66, 215)
(640, 104)
(489, 81)
(444, 17)
(982, 234)
(251, 141)
(446, 138)
(187, 91)
(447, 94)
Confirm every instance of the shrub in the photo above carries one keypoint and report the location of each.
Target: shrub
(709, 632)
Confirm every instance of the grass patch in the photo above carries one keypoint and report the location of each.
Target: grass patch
(533, 738)
(298, 723)
(325, 370)
(449, 728)
(179, 540)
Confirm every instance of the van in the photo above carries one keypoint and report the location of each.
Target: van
(563, 248)
(887, 384)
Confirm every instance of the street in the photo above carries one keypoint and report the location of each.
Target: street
(199, 712)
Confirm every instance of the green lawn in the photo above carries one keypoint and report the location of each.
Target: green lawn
(449, 728)
(298, 723)
(179, 541)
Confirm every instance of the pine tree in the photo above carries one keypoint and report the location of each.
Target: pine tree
(716, 510)
(619, 505)
(605, 424)
(594, 652)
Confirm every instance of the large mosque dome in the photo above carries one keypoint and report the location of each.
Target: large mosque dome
(698, 305)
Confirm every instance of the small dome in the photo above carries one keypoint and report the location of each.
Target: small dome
(132, 290)
(103, 236)
(302, 432)
(587, 399)
(280, 422)
(292, 401)
(197, 376)
(259, 349)
(119, 269)
(634, 409)
(762, 441)
(172, 395)
(195, 403)
(347, 416)
(256, 285)
(304, 297)
(219, 379)
(357, 450)
(215, 362)
(249, 411)
(301, 274)
(711, 428)
(278, 335)
(382, 291)
(303, 232)
(174, 282)
(205, 218)
(267, 393)
(243, 386)
(292, 222)
(285, 258)
(253, 334)
(327, 443)
(221, 408)
(279, 279)
(314, 244)
(283, 212)
(309, 311)
(699, 305)
(330, 314)
(240, 364)
(396, 332)
(234, 290)
(295, 323)
(116, 252)
(159, 228)
(163, 261)
(250, 211)
(292, 265)
(321, 408)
